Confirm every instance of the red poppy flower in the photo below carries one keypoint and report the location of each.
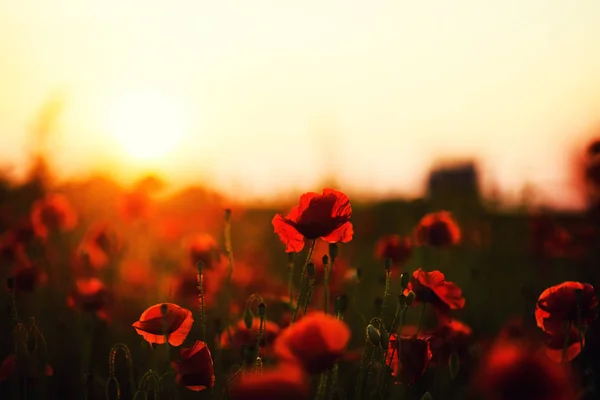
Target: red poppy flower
(54, 213)
(317, 341)
(408, 358)
(432, 287)
(437, 229)
(325, 216)
(555, 344)
(175, 324)
(242, 336)
(286, 381)
(202, 247)
(559, 306)
(395, 247)
(26, 367)
(90, 295)
(511, 371)
(195, 369)
(99, 244)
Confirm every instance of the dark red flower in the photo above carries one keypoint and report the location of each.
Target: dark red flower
(570, 304)
(195, 370)
(325, 216)
(432, 287)
(512, 371)
(408, 357)
(176, 324)
(395, 247)
(25, 367)
(316, 342)
(52, 214)
(437, 229)
(285, 381)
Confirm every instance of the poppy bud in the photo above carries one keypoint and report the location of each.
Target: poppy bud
(333, 250)
(310, 270)
(262, 310)
(404, 279)
(373, 335)
(385, 338)
(402, 300)
(453, 365)
(248, 318)
(387, 263)
(341, 304)
(10, 282)
(410, 298)
(325, 259)
(427, 396)
(227, 214)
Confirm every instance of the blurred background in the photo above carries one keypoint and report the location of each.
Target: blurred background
(148, 119)
(266, 97)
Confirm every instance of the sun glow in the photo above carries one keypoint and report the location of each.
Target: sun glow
(147, 125)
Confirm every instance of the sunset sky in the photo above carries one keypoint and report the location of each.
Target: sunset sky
(257, 97)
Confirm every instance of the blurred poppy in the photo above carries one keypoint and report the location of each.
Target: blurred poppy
(202, 247)
(99, 244)
(195, 369)
(242, 336)
(564, 349)
(453, 336)
(285, 381)
(548, 240)
(134, 205)
(26, 367)
(512, 371)
(317, 341)
(27, 277)
(565, 305)
(437, 229)
(176, 324)
(90, 295)
(432, 287)
(408, 358)
(52, 214)
(395, 247)
(325, 216)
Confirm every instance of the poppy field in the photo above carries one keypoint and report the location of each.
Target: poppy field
(113, 292)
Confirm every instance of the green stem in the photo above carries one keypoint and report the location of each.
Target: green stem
(386, 293)
(327, 272)
(302, 279)
(201, 301)
(311, 286)
(291, 280)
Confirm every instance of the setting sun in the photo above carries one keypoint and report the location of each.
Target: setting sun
(147, 125)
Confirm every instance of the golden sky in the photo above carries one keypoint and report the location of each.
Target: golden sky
(272, 95)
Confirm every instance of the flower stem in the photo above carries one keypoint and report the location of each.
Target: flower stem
(302, 278)
(229, 252)
(386, 293)
(291, 279)
(327, 272)
(311, 287)
(201, 301)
